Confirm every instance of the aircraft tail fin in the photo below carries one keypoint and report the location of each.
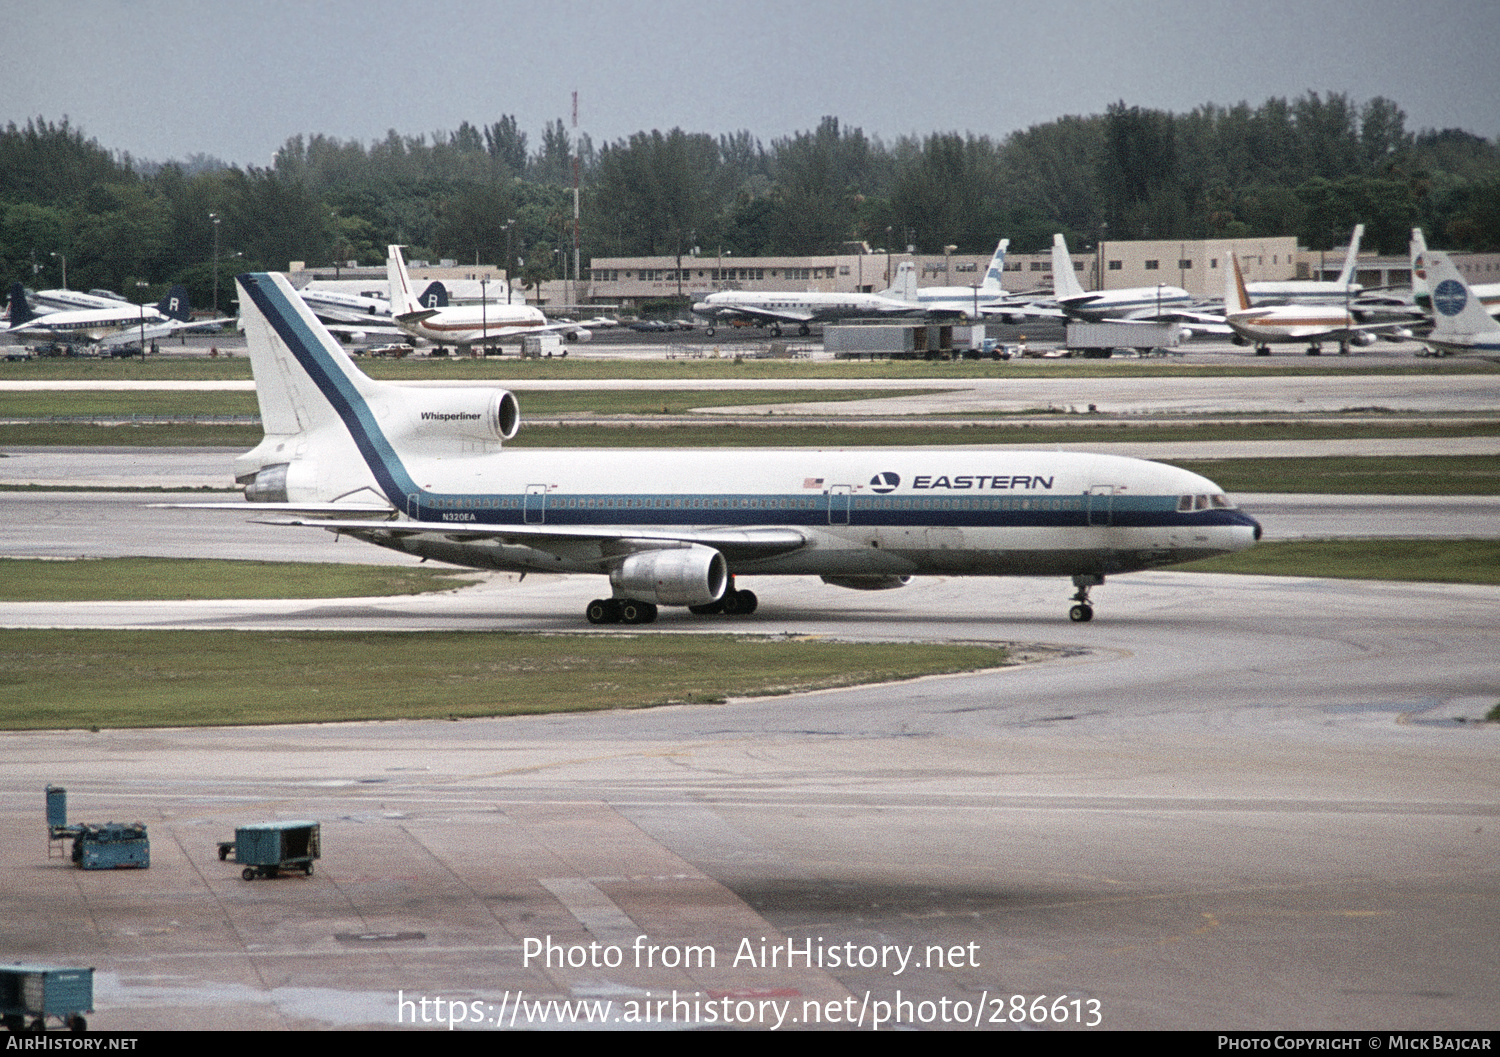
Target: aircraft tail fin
(175, 304)
(435, 296)
(994, 278)
(403, 301)
(1454, 307)
(1065, 285)
(1236, 298)
(1418, 250)
(1352, 257)
(20, 311)
(904, 286)
(303, 378)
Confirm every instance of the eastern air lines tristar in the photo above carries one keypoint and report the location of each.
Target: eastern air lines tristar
(421, 470)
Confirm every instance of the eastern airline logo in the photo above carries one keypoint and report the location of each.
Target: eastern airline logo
(1449, 297)
(885, 482)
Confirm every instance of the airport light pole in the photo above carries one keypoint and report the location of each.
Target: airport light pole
(140, 288)
(64, 260)
(507, 226)
(215, 218)
(484, 308)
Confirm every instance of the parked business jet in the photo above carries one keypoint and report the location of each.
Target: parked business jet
(775, 308)
(1461, 323)
(422, 470)
(124, 324)
(464, 325)
(1314, 324)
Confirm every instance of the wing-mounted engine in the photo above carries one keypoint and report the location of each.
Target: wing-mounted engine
(672, 576)
(448, 421)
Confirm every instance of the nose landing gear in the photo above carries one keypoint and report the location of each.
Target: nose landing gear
(1083, 612)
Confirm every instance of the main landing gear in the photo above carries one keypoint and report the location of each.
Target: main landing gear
(1083, 612)
(620, 611)
(732, 603)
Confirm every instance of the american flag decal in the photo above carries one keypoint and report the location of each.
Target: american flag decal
(812, 482)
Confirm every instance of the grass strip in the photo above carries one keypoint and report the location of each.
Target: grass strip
(96, 679)
(181, 579)
(572, 368)
(1354, 475)
(1431, 560)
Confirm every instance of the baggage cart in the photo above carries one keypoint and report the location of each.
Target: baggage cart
(29, 994)
(264, 849)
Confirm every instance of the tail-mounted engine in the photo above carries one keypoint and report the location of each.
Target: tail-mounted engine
(451, 419)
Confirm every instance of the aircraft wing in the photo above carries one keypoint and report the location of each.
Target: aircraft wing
(736, 544)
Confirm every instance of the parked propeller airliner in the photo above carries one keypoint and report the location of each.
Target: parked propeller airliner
(775, 308)
(422, 470)
(122, 324)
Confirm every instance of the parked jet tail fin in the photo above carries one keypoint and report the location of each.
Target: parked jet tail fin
(994, 278)
(1236, 298)
(20, 311)
(435, 296)
(403, 300)
(1418, 250)
(1065, 285)
(1455, 309)
(1352, 258)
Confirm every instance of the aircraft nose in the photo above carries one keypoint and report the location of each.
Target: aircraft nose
(1247, 520)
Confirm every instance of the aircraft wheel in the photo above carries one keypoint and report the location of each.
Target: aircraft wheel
(739, 603)
(748, 602)
(248, 873)
(603, 611)
(1262, 350)
(637, 612)
(1081, 613)
(76, 1024)
(708, 331)
(804, 330)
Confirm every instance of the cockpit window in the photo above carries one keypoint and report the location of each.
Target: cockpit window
(1221, 501)
(1184, 503)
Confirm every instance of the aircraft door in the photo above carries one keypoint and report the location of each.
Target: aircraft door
(535, 509)
(840, 497)
(1101, 501)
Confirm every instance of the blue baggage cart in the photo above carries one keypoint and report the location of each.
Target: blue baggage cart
(267, 848)
(29, 994)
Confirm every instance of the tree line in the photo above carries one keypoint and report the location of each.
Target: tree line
(1311, 167)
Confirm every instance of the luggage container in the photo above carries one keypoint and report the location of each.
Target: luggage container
(267, 848)
(32, 993)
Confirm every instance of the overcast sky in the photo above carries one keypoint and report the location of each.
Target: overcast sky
(166, 79)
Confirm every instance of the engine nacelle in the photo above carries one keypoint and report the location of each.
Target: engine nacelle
(1364, 337)
(278, 482)
(450, 421)
(868, 583)
(676, 576)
